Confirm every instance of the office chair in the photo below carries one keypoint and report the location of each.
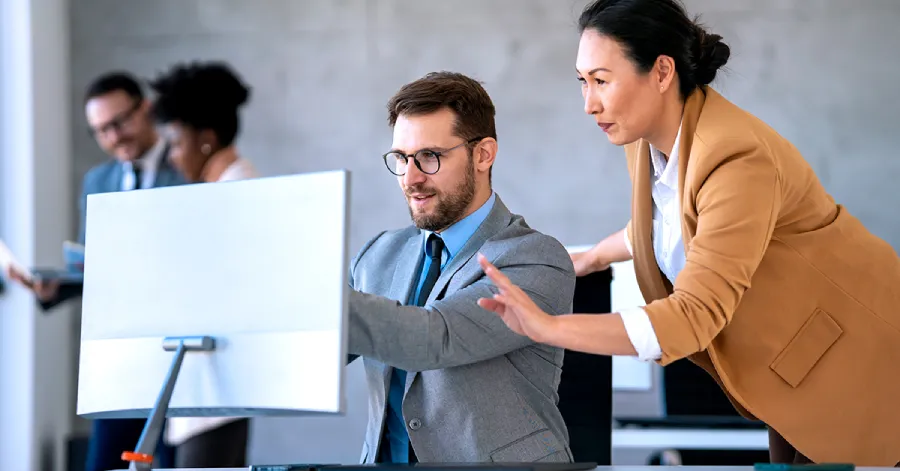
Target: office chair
(585, 388)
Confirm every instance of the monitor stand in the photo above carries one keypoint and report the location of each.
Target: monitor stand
(141, 459)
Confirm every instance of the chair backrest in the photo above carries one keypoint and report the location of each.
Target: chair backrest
(690, 391)
(585, 389)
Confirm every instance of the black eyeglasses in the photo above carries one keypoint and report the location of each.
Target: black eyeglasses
(428, 161)
(116, 123)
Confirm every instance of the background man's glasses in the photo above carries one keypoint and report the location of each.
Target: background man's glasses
(428, 161)
(116, 124)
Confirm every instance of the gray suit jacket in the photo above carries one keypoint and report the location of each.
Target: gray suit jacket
(107, 178)
(475, 391)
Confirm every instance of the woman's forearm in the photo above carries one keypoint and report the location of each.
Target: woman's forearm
(593, 333)
(612, 249)
(598, 334)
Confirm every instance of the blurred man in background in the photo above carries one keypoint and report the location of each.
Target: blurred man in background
(119, 119)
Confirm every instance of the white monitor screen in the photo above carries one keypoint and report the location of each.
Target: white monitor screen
(260, 265)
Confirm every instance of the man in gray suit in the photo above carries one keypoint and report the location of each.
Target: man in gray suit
(448, 382)
(119, 119)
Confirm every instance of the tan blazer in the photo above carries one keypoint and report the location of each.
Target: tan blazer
(785, 298)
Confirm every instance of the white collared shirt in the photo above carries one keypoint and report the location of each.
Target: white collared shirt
(149, 165)
(182, 429)
(668, 246)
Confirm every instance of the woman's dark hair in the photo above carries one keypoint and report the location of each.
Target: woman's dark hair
(648, 29)
(202, 96)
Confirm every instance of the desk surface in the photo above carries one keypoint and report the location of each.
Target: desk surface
(600, 468)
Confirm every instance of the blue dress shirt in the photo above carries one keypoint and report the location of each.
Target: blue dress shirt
(454, 237)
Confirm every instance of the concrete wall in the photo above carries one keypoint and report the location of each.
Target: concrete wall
(817, 70)
(322, 71)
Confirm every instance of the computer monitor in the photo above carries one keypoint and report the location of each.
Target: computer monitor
(259, 265)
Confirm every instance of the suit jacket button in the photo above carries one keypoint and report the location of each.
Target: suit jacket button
(415, 424)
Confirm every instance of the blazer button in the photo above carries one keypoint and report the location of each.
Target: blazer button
(415, 424)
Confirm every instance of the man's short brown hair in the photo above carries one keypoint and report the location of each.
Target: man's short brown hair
(463, 95)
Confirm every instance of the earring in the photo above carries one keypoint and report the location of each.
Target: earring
(205, 148)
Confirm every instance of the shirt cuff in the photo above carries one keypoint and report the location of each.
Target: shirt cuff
(628, 243)
(640, 332)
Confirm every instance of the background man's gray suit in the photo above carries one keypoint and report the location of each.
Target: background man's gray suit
(476, 391)
(107, 178)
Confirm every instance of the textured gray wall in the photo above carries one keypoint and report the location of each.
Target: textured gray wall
(817, 70)
(820, 71)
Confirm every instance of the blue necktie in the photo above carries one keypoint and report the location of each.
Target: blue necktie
(436, 244)
(398, 377)
(138, 174)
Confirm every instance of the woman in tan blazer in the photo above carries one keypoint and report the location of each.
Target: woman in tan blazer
(747, 266)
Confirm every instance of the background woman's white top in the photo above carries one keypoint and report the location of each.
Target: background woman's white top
(181, 429)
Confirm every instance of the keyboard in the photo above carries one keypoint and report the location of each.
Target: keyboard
(430, 466)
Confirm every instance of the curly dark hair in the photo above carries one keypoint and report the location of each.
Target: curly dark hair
(201, 95)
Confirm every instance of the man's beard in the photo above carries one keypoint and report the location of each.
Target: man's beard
(450, 207)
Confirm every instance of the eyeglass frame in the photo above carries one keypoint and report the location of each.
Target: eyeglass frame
(117, 123)
(437, 154)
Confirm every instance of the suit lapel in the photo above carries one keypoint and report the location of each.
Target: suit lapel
(114, 179)
(408, 261)
(495, 221)
(166, 175)
(693, 106)
(650, 278)
(654, 285)
(384, 373)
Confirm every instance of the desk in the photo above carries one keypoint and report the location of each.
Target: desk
(608, 468)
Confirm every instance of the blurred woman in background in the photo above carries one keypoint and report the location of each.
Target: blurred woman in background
(197, 107)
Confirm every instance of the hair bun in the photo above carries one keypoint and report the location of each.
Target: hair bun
(710, 54)
(225, 84)
(240, 95)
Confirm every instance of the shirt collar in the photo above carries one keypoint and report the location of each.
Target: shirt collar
(456, 236)
(666, 170)
(150, 159)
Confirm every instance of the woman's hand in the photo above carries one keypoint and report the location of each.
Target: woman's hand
(514, 307)
(608, 251)
(587, 262)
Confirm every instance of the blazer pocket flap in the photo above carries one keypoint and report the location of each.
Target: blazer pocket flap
(531, 448)
(816, 336)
